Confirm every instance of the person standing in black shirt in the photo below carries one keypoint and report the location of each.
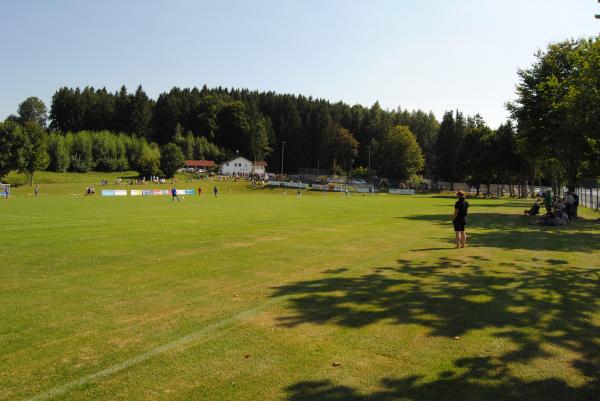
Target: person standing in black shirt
(459, 220)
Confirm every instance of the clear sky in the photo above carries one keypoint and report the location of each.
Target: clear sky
(432, 55)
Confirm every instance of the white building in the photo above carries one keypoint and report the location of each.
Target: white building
(260, 167)
(242, 166)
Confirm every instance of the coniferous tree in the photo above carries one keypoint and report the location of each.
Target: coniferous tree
(477, 153)
(449, 161)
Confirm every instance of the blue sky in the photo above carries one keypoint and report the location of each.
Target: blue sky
(432, 55)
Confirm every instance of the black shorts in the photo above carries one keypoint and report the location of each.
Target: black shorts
(459, 225)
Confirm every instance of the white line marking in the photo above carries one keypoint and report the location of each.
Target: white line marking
(179, 343)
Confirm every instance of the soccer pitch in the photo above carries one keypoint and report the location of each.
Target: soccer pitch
(258, 296)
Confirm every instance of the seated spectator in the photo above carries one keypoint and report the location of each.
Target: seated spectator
(560, 218)
(535, 209)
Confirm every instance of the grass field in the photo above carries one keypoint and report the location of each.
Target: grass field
(257, 296)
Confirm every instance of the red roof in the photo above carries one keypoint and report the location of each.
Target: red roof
(199, 163)
(260, 163)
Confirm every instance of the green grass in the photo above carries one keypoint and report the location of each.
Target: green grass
(257, 296)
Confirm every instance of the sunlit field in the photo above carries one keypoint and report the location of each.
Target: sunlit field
(259, 296)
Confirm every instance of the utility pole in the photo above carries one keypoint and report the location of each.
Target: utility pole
(369, 147)
(598, 15)
(282, 149)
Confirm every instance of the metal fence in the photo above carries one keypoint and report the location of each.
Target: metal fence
(589, 197)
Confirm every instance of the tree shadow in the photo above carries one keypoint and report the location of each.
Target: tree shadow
(483, 380)
(433, 249)
(495, 203)
(508, 231)
(335, 271)
(552, 306)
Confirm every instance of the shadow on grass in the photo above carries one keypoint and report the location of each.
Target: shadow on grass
(494, 203)
(473, 385)
(508, 231)
(537, 306)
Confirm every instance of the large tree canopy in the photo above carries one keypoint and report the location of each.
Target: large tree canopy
(33, 110)
(171, 159)
(398, 154)
(28, 149)
(558, 106)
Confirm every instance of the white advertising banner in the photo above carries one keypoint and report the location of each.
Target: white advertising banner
(319, 187)
(399, 191)
(296, 185)
(136, 192)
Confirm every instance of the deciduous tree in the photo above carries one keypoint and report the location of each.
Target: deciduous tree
(33, 110)
(171, 159)
(29, 151)
(399, 154)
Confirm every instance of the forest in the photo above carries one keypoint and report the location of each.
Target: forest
(552, 136)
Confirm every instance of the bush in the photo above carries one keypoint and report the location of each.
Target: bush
(15, 179)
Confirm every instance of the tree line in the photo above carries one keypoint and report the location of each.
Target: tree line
(553, 136)
(28, 148)
(219, 123)
(253, 123)
(467, 150)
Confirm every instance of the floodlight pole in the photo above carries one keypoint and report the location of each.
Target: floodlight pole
(282, 150)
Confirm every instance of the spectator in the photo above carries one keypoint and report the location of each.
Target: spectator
(535, 209)
(548, 202)
(575, 203)
(459, 220)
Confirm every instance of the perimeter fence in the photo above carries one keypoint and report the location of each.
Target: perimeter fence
(589, 197)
